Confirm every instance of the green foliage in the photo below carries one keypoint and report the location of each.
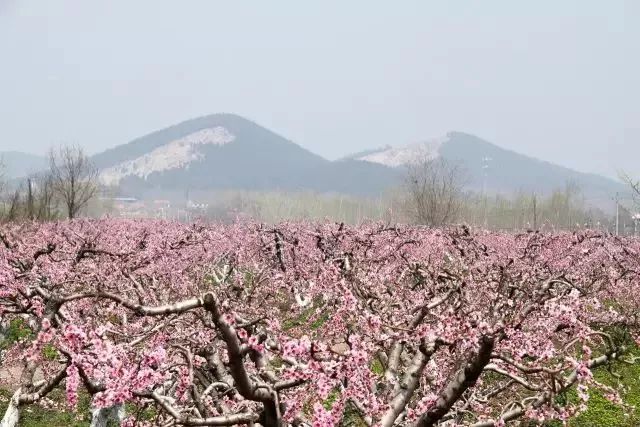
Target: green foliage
(602, 413)
(376, 367)
(565, 208)
(333, 396)
(319, 321)
(141, 413)
(37, 416)
(276, 206)
(299, 320)
(276, 362)
(49, 352)
(352, 417)
(17, 330)
(209, 280)
(249, 277)
(313, 316)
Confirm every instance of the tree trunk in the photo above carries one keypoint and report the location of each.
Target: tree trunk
(463, 380)
(101, 416)
(12, 414)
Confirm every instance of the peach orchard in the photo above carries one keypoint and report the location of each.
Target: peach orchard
(308, 324)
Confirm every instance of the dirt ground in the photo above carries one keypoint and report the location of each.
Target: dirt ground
(10, 377)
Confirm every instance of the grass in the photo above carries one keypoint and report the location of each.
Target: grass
(37, 416)
(601, 412)
(17, 330)
(310, 316)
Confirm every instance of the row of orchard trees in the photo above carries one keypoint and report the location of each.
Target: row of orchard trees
(64, 189)
(305, 324)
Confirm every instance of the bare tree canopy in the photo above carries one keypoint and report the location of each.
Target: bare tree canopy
(635, 185)
(73, 178)
(2, 173)
(33, 200)
(433, 191)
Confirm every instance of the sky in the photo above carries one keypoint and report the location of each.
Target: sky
(554, 80)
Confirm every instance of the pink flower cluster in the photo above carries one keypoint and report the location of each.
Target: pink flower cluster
(218, 320)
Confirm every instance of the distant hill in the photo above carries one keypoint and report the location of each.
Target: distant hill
(226, 151)
(17, 165)
(506, 172)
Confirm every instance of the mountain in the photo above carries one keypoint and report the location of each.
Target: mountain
(226, 151)
(501, 170)
(358, 155)
(400, 156)
(17, 165)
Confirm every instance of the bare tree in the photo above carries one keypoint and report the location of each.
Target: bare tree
(40, 202)
(74, 179)
(46, 208)
(14, 208)
(635, 186)
(433, 191)
(2, 175)
(32, 200)
(3, 204)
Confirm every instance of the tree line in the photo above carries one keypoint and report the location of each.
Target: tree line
(434, 195)
(63, 190)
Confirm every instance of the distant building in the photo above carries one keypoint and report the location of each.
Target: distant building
(122, 199)
(162, 203)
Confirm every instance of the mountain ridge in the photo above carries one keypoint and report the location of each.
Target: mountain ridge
(227, 151)
(507, 171)
(250, 158)
(153, 140)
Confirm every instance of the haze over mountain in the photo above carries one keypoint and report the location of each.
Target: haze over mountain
(16, 164)
(227, 151)
(553, 80)
(500, 170)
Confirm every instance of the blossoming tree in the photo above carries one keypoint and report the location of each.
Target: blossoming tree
(306, 324)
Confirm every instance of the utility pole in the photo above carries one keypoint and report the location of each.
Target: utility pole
(30, 201)
(535, 212)
(617, 214)
(485, 173)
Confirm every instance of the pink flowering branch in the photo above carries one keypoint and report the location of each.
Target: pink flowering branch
(409, 383)
(224, 420)
(161, 310)
(544, 398)
(463, 380)
(44, 388)
(208, 322)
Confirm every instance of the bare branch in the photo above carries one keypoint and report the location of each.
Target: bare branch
(74, 178)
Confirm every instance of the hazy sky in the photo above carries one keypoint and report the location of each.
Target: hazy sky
(558, 80)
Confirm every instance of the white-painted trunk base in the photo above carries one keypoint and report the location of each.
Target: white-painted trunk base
(12, 414)
(101, 416)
